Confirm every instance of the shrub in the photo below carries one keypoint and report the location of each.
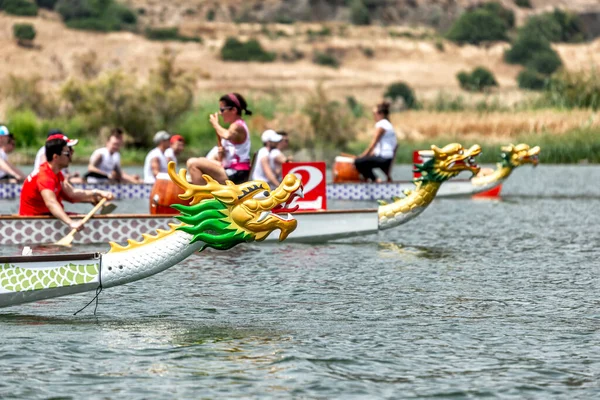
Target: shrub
(405, 92)
(523, 3)
(359, 13)
(355, 107)
(524, 47)
(235, 50)
(478, 80)
(169, 34)
(326, 59)
(477, 26)
(47, 4)
(24, 33)
(531, 79)
(97, 15)
(210, 15)
(19, 7)
(574, 90)
(332, 123)
(507, 15)
(557, 26)
(24, 125)
(545, 62)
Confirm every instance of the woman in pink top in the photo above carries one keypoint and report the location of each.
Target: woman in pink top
(230, 160)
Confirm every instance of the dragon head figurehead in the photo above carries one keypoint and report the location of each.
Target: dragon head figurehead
(225, 215)
(447, 162)
(514, 156)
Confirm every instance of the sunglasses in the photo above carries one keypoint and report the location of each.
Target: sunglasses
(222, 109)
(67, 153)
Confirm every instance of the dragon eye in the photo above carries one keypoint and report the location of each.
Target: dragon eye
(262, 195)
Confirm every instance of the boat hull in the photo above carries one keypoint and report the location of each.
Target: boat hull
(24, 279)
(312, 227)
(335, 191)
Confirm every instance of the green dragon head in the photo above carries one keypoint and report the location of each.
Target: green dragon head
(514, 156)
(225, 215)
(447, 162)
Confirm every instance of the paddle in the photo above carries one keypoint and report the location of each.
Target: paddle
(348, 155)
(67, 240)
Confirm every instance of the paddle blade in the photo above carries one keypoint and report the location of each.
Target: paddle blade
(108, 208)
(66, 241)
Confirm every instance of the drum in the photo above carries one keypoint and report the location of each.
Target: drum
(344, 170)
(164, 193)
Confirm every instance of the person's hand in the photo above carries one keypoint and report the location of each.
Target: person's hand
(77, 225)
(101, 194)
(214, 120)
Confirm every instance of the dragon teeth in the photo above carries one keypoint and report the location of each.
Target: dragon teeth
(263, 215)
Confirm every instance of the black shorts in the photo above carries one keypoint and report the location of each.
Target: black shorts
(239, 177)
(8, 177)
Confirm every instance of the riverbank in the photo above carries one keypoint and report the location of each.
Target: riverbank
(574, 146)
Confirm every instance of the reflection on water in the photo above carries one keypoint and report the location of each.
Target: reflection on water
(471, 299)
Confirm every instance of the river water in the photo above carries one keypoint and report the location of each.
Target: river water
(471, 299)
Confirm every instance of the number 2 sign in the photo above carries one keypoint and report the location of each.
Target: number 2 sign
(312, 175)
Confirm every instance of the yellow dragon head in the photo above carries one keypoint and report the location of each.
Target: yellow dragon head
(225, 215)
(447, 162)
(521, 154)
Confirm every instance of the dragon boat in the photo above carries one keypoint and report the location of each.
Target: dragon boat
(511, 158)
(219, 217)
(441, 165)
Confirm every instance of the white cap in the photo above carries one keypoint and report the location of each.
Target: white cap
(161, 136)
(271, 136)
(3, 131)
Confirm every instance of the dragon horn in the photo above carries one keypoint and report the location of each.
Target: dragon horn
(194, 192)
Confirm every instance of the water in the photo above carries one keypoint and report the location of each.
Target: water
(472, 299)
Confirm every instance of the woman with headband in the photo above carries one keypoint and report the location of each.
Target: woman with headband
(230, 160)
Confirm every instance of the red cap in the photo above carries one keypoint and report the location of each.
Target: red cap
(177, 138)
(70, 142)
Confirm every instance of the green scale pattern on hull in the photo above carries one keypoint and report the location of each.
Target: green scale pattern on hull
(17, 279)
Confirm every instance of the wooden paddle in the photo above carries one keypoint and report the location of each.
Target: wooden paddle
(67, 240)
(348, 155)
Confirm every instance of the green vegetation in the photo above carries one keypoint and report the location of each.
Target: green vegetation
(359, 13)
(574, 90)
(326, 59)
(531, 79)
(19, 7)
(557, 26)
(523, 3)
(477, 26)
(478, 80)
(495, 8)
(568, 148)
(24, 33)
(403, 91)
(164, 34)
(236, 50)
(96, 15)
(47, 4)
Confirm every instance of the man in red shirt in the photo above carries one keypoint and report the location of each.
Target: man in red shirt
(44, 190)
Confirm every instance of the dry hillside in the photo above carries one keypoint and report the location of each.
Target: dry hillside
(429, 65)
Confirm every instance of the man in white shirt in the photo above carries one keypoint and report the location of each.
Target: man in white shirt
(8, 172)
(177, 144)
(264, 168)
(105, 163)
(156, 162)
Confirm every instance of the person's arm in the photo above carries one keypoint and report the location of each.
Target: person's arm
(95, 160)
(268, 171)
(10, 169)
(378, 134)
(236, 133)
(83, 195)
(57, 211)
(155, 166)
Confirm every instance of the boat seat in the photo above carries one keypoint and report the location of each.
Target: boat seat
(388, 173)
